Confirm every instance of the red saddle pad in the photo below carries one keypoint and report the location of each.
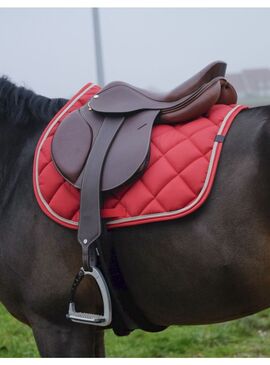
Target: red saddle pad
(183, 162)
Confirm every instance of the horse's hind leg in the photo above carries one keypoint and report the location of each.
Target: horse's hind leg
(67, 340)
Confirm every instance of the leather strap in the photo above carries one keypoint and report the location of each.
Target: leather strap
(90, 221)
(93, 235)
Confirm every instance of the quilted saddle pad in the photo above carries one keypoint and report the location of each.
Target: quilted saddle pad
(183, 162)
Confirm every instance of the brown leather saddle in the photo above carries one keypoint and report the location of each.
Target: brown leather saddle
(105, 144)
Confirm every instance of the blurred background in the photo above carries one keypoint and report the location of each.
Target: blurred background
(53, 51)
(56, 51)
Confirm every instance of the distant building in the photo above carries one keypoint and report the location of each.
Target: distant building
(251, 83)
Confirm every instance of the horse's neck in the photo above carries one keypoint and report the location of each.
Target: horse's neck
(16, 157)
(18, 138)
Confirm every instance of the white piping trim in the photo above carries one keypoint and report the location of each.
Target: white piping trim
(52, 212)
(147, 216)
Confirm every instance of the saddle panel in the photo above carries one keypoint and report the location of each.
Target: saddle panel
(228, 94)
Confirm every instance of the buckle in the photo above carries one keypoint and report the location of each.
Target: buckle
(91, 318)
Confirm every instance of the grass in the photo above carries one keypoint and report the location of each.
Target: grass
(247, 337)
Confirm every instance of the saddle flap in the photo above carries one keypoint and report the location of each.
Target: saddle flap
(74, 138)
(129, 150)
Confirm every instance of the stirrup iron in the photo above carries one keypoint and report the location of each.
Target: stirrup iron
(91, 318)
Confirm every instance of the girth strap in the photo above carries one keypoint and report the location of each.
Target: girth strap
(90, 221)
(126, 315)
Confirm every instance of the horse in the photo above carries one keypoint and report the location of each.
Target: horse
(210, 266)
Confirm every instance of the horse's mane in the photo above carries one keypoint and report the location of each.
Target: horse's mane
(19, 105)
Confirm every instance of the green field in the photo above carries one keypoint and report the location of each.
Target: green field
(248, 337)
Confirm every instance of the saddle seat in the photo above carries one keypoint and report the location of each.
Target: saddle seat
(208, 73)
(200, 92)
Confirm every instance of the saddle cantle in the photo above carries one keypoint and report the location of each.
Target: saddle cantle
(105, 144)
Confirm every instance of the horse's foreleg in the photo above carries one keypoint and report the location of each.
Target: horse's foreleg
(67, 340)
(99, 344)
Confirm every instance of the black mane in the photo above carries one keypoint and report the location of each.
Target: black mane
(19, 105)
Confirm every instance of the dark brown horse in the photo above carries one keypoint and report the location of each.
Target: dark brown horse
(211, 266)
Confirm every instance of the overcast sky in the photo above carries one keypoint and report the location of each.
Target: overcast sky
(52, 50)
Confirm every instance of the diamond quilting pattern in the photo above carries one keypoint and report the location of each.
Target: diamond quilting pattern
(174, 178)
(177, 169)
